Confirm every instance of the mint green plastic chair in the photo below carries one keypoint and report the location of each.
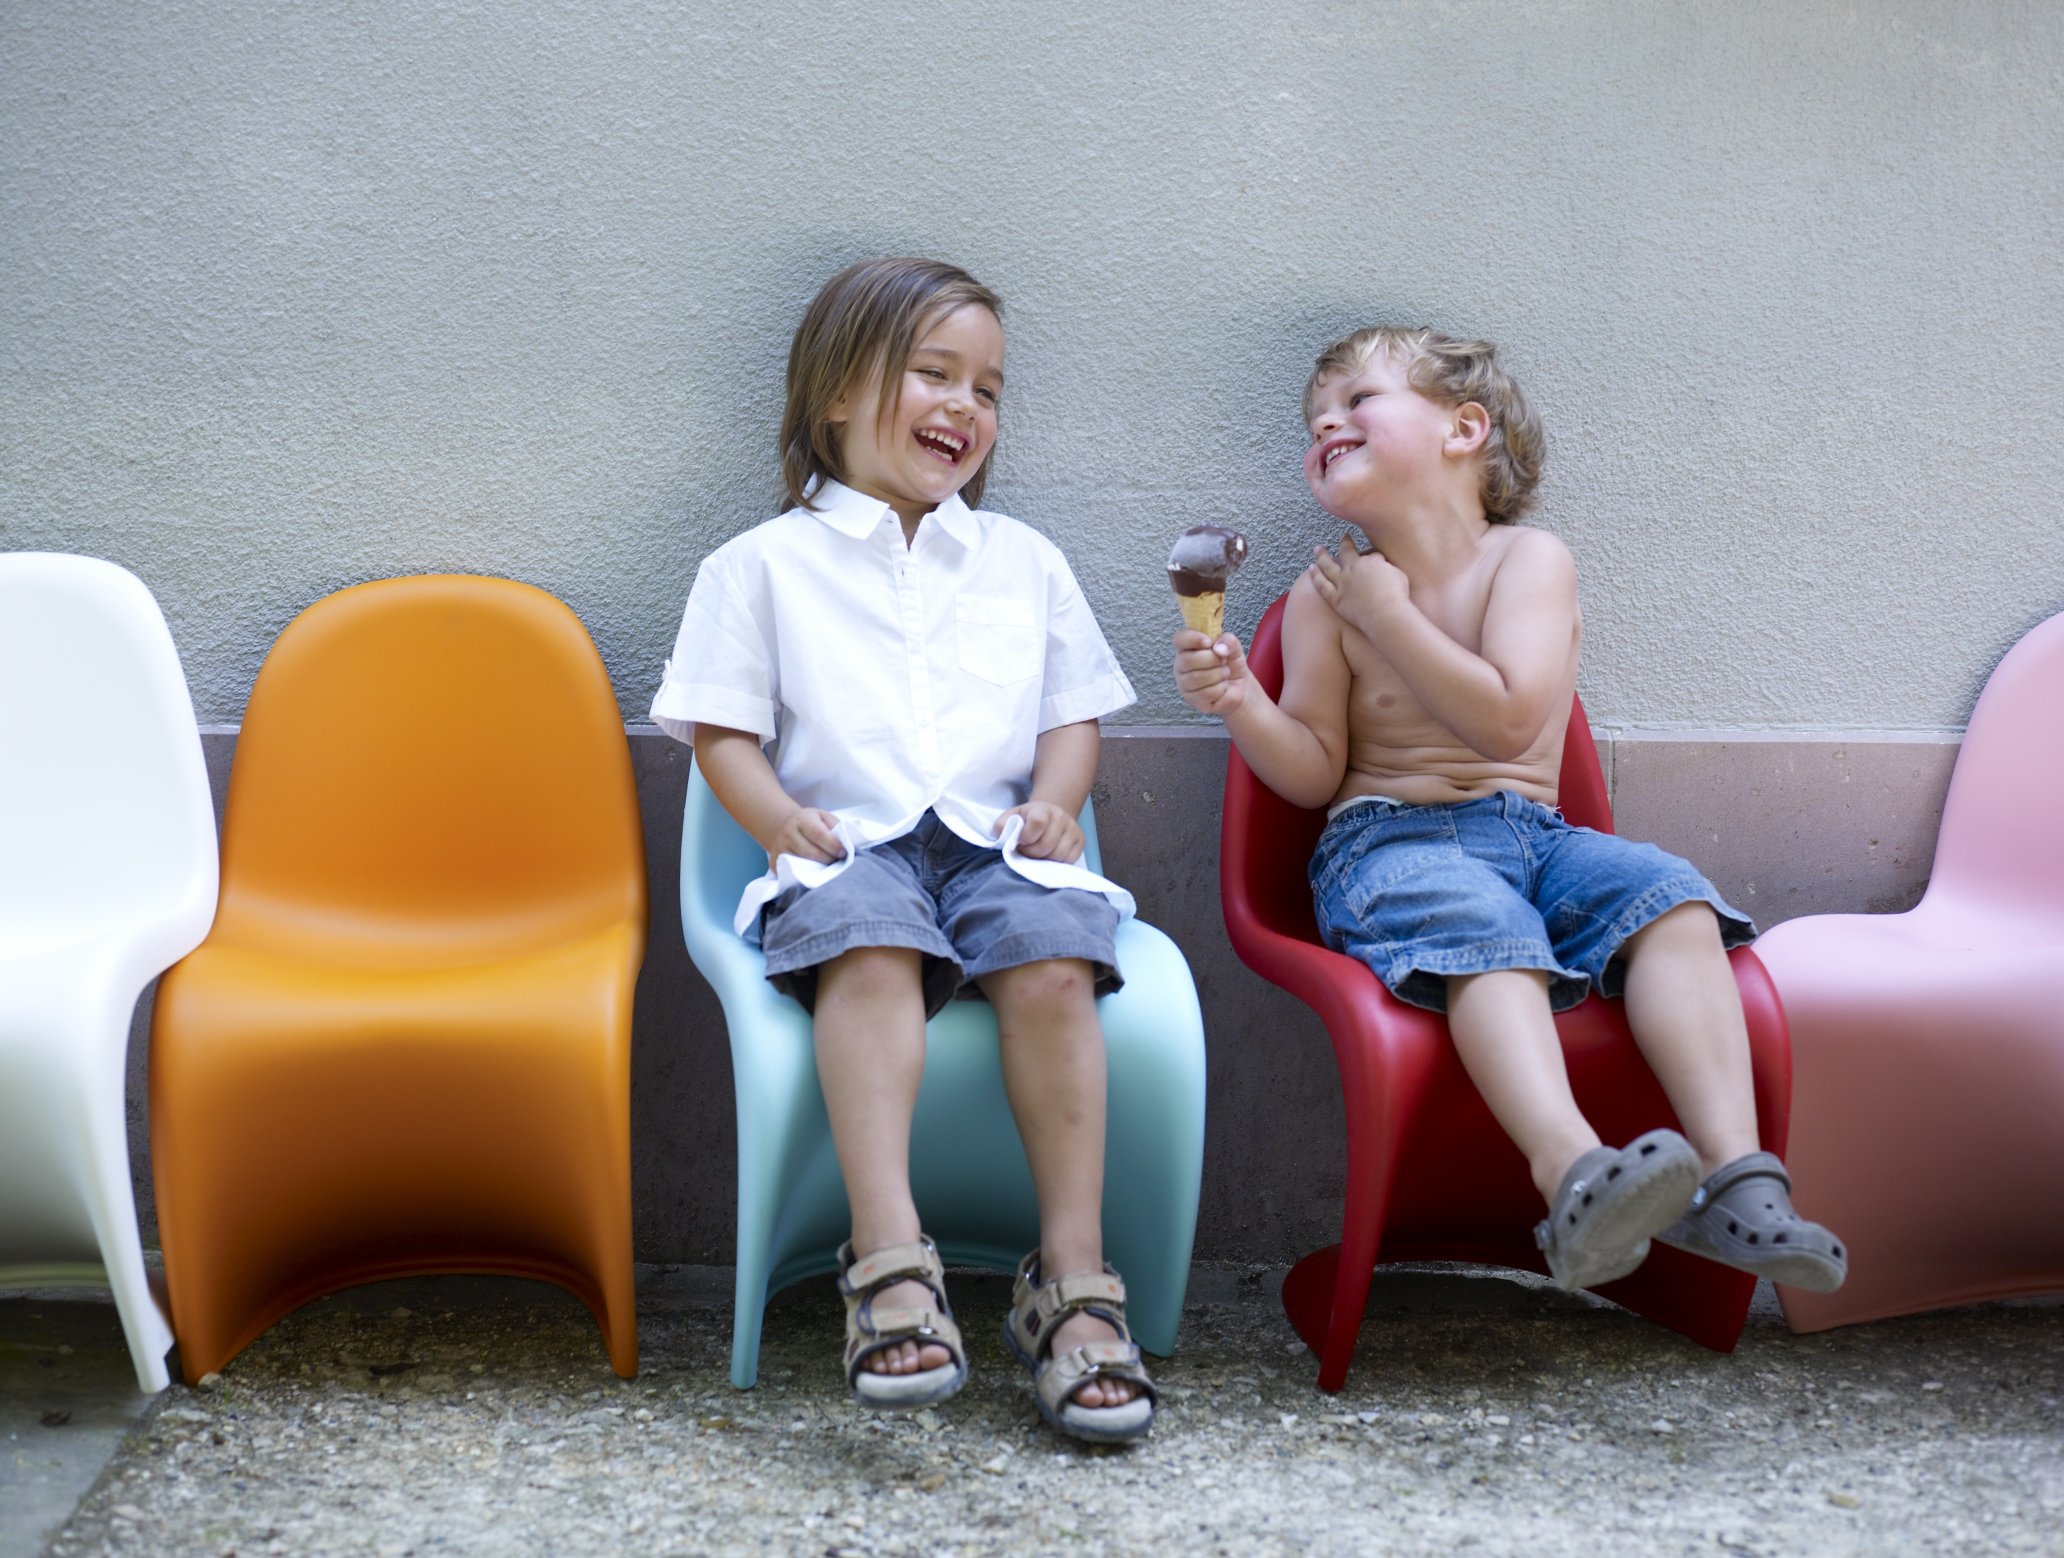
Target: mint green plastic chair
(967, 1168)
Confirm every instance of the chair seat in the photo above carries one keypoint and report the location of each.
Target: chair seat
(1928, 1080)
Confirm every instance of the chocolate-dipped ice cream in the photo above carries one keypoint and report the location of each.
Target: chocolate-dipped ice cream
(1199, 564)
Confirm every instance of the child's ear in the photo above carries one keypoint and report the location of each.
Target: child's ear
(1470, 429)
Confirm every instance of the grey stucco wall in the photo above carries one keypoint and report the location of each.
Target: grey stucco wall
(292, 297)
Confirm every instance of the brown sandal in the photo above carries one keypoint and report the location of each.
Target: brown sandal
(1037, 1310)
(870, 1330)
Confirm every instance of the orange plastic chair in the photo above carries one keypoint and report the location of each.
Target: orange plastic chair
(1430, 1176)
(405, 1046)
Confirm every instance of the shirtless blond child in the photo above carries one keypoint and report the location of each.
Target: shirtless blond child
(1427, 685)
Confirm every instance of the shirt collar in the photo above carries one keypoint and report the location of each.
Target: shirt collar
(855, 514)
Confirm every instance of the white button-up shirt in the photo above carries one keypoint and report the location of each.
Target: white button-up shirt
(892, 680)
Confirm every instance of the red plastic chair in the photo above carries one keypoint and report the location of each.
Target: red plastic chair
(1430, 1175)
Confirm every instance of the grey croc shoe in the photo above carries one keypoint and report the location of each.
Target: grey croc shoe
(1611, 1203)
(1743, 1217)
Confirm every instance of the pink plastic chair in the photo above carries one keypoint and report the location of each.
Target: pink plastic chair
(1928, 1047)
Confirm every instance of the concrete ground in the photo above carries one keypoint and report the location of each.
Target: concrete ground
(467, 1415)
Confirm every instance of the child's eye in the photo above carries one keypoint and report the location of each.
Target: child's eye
(932, 373)
(1359, 396)
(989, 395)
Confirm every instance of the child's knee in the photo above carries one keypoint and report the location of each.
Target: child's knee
(865, 973)
(1051, 987)
(1690, 926)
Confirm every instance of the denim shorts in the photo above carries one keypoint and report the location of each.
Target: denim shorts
(1425, 893)
(958, 904)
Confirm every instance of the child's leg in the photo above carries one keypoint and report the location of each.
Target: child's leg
(870, 1042)
(1505, 1033)
(1685, 1010)
(1686, 1014)
(1054, 1072)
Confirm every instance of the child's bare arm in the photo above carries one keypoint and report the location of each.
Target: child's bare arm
(1064, 765)
(1497, 701)
(744, 783)
(1297, 747)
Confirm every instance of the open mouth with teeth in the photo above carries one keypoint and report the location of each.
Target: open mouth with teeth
(1333, 452)
(942, 444)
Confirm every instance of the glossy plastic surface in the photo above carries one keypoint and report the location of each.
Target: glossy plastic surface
(1928, 1100)
(973, 1189)
(107, 875)
(405, 1047)
(1430, 1174)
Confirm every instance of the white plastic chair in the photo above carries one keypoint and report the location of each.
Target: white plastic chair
(107, 878)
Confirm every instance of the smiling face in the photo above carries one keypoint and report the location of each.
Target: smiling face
(1376, 442)
(941, 423)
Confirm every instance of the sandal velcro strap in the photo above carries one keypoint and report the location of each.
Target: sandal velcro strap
(1081, 1290)
(917, 1262)
(1039, 1306)
(903, 1320)
(1097, 1357)
(875, 1330)
(1070, 1371)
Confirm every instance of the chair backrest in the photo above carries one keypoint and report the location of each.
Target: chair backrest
(105, 816)
(1998, 843)
(427, 764)
(1266, 841)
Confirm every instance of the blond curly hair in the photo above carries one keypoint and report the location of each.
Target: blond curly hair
(1454, 371)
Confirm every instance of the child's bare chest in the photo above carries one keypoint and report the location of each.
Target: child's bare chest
(1380, 703)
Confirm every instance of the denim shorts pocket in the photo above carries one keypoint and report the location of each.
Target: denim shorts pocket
(1392, 849)
(998, 638)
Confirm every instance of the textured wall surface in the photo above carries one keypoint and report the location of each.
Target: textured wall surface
(292, 297)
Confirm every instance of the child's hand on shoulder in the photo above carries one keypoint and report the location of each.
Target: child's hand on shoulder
(1050, 833)
(1210, 674)
(809, 833)
(1361, 587)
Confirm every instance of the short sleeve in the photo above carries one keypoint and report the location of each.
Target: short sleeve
(1083, 680)
(722, 668)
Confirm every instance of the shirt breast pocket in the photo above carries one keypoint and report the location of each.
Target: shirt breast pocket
(1000, 639)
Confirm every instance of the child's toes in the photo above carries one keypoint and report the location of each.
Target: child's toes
(893, 1360)
(1104, 1393)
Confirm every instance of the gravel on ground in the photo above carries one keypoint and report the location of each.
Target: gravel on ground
(1483, 1413)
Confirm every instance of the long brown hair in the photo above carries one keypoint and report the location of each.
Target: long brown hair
(866, 317)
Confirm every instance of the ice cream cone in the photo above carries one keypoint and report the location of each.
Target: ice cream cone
(1205, 613)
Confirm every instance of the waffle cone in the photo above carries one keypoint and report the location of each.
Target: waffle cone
(1205, 613)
